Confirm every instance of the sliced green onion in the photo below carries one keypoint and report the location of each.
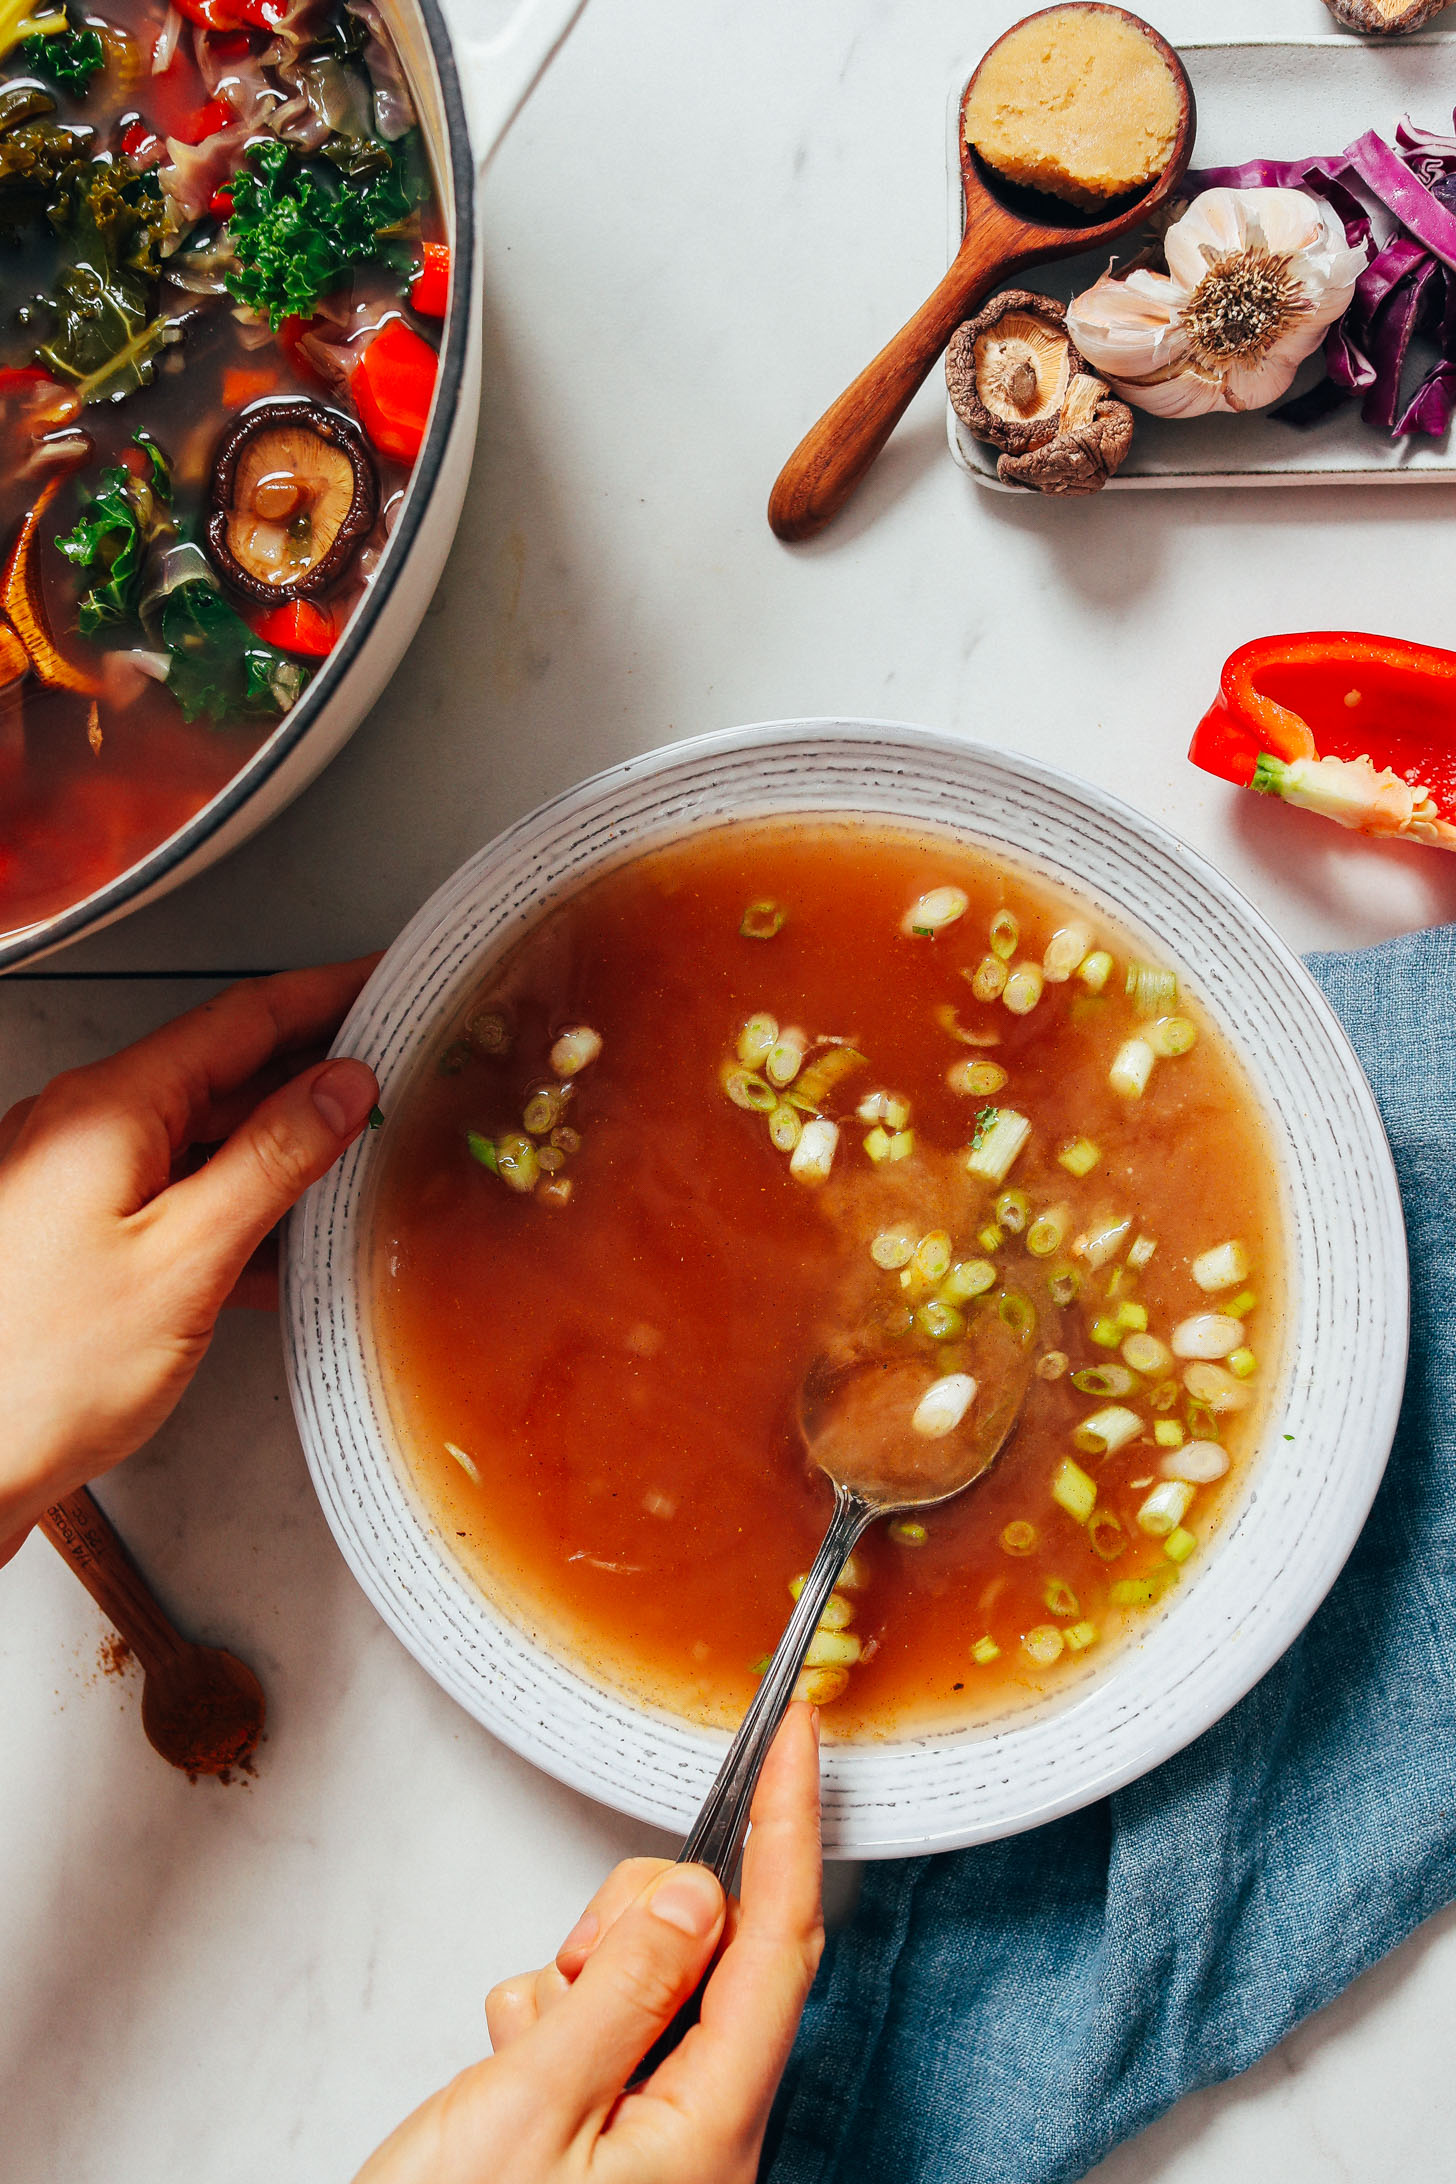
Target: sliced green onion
(483, 1150)
(1139, 1252)
(825, 1072)
(990, 1239)
(1168, 1433)
(1107, 1430)
(833, 1649)
(543, 1110)
(1023, 989)
(893, 1247)
(877, 1144)
(761, 921)
(932, 1255)
(1202, 1422)
(1105, 1535)
(516, 1162)
(901, 1145)
(854, 1576)
(786, 1056)
(997, 1145)
(1104, 1238)
(747, 1089)
(1165, 1508)
(1080, 1636)
(1052, 1365)
(489, 1032)
(886, 1107)
(907, 1532)
(1199, 1463)
(1165, 1395)
(1132, 1316)
(985, 1651)
(1080, 1157)
(1043, 1642)
(1113, 1380)
(784, 1128)
(1151, 989)
(1243, 1363)
(1135, 1592)
(822, 1686)
(467, 1463)
(1048, 1232)
(1058, 1595)
(565, 1139)
(1066, 949)
(935, 911)
(943, 1406)
(1242, 1305)
(967, 1278)
(988, 980)
(1074, 1491)
(1131, 1069)
(551, 1158)
(454, 1058)
(1005, 935)
(1171, 1036)
(761, 1665)
(1064, 1284)
(942, 1322)
(1012, 1208)
(1224, 1267)
(556, 1190)
(1179, 1544)
(1096, 970)
(1018, 1313)
(1207, 1335)
(576, 1048)
(1106, 1333)
(757, 1040)
(1147, 1355)
(1018, 1537)
(813, 1156)
(975, 1080)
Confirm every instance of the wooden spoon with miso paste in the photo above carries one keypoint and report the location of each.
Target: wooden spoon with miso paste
(1008, 225)
(891, 1435)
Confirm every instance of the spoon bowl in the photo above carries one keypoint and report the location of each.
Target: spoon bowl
(1007, 228)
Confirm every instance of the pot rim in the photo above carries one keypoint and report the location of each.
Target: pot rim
(105, 903)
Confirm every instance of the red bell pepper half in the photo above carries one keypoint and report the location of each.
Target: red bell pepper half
(1361, 729)
(431, 289)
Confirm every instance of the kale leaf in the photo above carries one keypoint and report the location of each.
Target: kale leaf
(218, 666)
(103, 341)
(298, 228)
(70, 58)
(113, 534)
(33, 158)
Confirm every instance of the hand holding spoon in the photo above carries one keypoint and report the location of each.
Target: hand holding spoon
(202, 1708)
(1007, 228)
(858, 1417)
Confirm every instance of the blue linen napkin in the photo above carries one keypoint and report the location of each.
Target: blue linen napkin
(1008, 2015)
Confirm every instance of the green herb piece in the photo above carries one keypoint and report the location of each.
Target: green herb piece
(483, 1150)
(376, 1118)
(985, 1122)
(218, 666)
(70, 58)
(761, 921)
(299, 228)
(113, 534)
(104, 342)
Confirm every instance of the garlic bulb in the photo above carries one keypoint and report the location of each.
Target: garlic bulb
(1254, 277)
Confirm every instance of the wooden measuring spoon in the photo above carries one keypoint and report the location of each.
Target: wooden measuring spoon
(202, 1708)
(1006, 229)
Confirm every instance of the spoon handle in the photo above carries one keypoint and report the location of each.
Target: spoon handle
(717, 1837)
(79, 1530)
(834, 455)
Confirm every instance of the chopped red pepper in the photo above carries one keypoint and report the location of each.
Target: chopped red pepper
(431, 290)
(211, 14)
(220, 204)
(1360, 728)
(230, 45)
(141, 145)
(392, 387)
(299, 626)
(205, 122)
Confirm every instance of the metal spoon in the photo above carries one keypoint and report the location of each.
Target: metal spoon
(855, 1412)
(202, 1708)
(1006, 230)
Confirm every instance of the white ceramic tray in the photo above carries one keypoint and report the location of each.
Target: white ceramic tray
(1264, 99)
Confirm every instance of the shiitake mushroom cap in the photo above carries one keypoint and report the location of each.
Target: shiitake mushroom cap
(337, 439)
(1028, 332)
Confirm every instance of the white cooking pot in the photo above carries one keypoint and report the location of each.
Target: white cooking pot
(468, 90)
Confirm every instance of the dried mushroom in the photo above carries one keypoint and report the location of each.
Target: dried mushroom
(294, 496)
(1383, 16)
(1094, 433)
(1008, 370)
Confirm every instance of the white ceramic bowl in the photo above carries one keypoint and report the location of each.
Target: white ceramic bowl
(1332, 1416)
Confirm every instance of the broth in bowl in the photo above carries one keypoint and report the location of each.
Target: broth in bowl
(797, 1089)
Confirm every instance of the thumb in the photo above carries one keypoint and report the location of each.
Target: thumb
(216, 1219)
(628, 1992)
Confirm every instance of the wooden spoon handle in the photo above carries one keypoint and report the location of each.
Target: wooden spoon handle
(834, 455)
(78, 1528)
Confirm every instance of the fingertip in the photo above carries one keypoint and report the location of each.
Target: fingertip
(344, 1092)
(690, 1898)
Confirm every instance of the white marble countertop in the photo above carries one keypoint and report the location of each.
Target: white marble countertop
(706, 221)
